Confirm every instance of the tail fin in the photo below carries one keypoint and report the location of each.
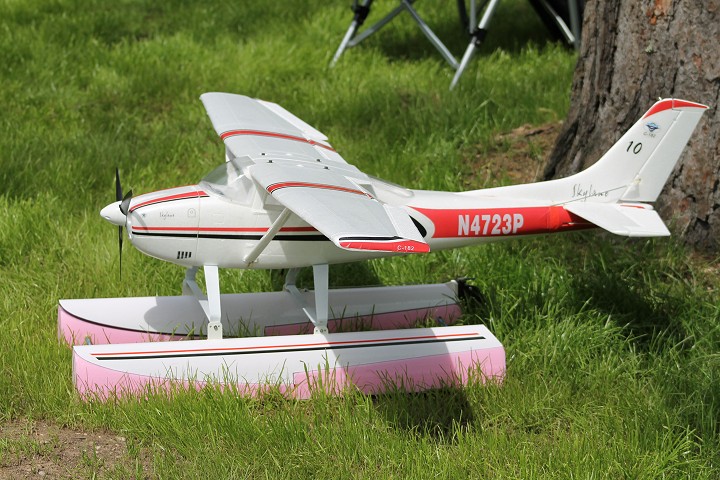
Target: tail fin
(638, 165)
(635, 169)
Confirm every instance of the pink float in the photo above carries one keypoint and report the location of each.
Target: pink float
(130, 346)
(142, 319)
(372, 362)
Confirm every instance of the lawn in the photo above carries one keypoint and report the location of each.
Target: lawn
(613, 345)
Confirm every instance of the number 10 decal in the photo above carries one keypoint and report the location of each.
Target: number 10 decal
(636, 149)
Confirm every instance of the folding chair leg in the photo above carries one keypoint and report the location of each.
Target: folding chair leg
(478, 35)
(431, 35)
(352, 37)
(361, 13)
(575, 22)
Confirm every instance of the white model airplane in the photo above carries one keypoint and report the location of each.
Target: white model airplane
(285, 198)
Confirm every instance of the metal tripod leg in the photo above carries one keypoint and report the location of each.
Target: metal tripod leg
(430, 35)
(575, 22)
(571, 33)
(478, 35)
(350, 39)
(377, 26)
(361, 13)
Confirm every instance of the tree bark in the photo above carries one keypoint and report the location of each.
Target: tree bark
(632, 53)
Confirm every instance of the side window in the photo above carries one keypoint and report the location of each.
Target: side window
(229, 183)
(369, 188)
(242, 190)
(270, 201)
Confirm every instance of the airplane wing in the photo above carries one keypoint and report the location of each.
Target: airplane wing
(340, 209)
(295, 164)
(631, 220)
(256, 128)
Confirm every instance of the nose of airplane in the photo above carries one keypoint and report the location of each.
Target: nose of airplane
(113, 214)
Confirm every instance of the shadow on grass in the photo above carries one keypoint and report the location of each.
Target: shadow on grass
(356, 274)
(636, 283)
(628, 284)
(438, 413)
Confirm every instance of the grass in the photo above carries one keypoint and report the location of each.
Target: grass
(612, 344)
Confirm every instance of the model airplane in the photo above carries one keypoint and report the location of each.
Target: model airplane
(284, 198)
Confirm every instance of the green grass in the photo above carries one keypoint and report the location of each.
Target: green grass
(612, 344)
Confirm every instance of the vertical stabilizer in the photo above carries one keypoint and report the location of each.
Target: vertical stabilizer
(635, 169)
(649, 182)
(638, 165)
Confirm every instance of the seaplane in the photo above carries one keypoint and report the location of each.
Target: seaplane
(284, 198)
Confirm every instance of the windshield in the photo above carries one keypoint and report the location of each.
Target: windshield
(228, 182)
(390, 187)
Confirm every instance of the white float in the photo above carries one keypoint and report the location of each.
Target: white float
(140, 319)
(296, 365)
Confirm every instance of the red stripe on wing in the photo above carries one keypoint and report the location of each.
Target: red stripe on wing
(398, 246)
(278, 186)
(283, 136)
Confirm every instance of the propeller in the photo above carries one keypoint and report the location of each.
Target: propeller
(124, 208)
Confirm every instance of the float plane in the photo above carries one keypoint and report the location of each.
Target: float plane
(284, 198)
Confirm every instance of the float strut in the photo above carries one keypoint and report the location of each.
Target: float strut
(321, 279)
(210, 303)
(318, 314)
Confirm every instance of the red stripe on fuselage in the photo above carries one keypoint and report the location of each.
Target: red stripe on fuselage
(169, 198)
(224, 229)
(500, 222)
(259, 133)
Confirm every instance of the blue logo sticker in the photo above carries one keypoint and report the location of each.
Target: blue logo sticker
(652, 126)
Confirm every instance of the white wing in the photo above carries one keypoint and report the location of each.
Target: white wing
(295, 164)
(255, 128)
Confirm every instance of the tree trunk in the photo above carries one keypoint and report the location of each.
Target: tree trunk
(632, 53)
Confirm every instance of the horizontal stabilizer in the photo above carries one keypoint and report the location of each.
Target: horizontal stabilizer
(629, 219)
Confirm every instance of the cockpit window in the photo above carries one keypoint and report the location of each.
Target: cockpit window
(381, 185)
(229, 183)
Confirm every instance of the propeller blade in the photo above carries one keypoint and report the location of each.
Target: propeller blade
(125, 204)
(120, 244)
(118, 187)
(124, 207)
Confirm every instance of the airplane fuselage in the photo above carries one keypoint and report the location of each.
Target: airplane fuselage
(193, 226)
(285, 198)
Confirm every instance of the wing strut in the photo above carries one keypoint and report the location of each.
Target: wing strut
(265, 240)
